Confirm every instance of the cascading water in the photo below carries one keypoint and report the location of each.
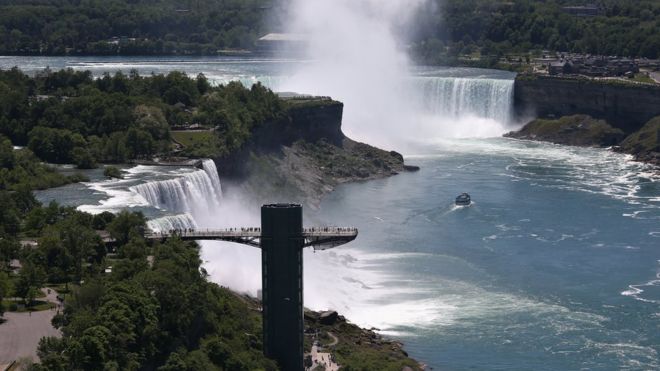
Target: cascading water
(196, 195)
(456, 97)
(167, 223)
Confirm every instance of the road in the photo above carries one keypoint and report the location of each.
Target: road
(21, 332)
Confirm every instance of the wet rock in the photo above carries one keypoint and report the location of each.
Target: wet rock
(328, 318)
(577, 130)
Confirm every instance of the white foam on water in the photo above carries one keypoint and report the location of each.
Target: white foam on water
(117, 198)
(174, 189)
(636, 291)
(591, 170)
(633, 356)
(168, 223)
(196, 192)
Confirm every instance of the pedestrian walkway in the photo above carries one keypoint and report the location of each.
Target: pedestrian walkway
(21, 332)
(324, 359)
(655, 76)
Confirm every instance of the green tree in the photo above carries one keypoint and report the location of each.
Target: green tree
(115, 148)
(112, 172)
(127, 225)
(83, 158)
(9, 217)
(92, 350)
(139, 143)
(152, 120)
(9, 248)
(7, 159)
(100, 221)
(81, 243)
(30, 279)
(5, 289)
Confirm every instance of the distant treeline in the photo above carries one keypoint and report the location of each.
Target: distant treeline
(490, 28)
(445, 29)
(67, 116)
(57, 27)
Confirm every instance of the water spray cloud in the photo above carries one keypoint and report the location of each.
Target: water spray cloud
(354, 56)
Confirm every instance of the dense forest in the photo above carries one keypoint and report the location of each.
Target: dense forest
(146, 315)
(152, 314)
(57, 27)
(448, 29)
(67, 116)
(444, 29)
(21, 169)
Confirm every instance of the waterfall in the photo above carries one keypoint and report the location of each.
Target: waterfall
(457, 97)
(181, 221)
(197, 194)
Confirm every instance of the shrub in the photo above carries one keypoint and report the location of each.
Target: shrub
(113, 172)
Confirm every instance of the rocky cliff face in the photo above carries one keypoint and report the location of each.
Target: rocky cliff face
(304, 155)
(306, 119)
(626, 106)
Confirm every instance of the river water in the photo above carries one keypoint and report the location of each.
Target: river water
(555, 266)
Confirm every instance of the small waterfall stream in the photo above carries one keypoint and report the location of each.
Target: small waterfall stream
(196, 195)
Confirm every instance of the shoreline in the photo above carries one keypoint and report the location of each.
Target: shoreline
(642, 144)
(329, 333)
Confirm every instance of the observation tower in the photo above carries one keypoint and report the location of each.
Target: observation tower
(282, 239)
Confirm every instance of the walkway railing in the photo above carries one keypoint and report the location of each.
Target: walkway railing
(320, 238)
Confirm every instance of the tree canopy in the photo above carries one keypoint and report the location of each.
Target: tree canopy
(129, 27)
(160, 313)
(66, 116)
(448, 28)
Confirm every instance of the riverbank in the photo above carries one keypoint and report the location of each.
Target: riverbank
(623, 104)
(590, 112)
(303, 158)
(333, 340)
(585, 131)
(304, 172)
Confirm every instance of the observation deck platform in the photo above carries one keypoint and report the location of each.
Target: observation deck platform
(319, 238)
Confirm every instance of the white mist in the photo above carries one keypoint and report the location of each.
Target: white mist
(354, 56)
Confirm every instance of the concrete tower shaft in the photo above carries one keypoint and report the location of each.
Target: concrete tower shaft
(282, 268)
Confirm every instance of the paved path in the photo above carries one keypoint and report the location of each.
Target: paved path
(21, 332)
(335, 340)
(655, 76)
(323, 358)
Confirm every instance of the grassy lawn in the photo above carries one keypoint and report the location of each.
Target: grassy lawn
(39, 305)
(643, 77)
(60, 288)
(192, 138)
(199, 144)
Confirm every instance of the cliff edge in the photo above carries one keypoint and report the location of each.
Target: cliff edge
(304, 155)
(590, 112)
(624, 105)
(577, 130)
